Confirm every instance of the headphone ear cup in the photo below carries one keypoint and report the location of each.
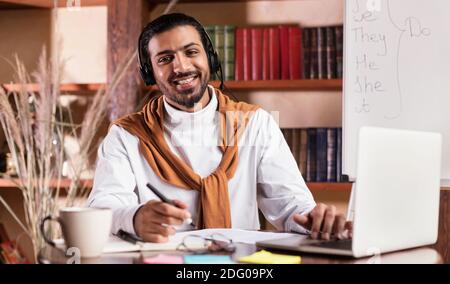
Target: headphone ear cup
(214, 61)
(151, 77)
(147, 75)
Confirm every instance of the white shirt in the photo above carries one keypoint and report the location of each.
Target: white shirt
(267, 175)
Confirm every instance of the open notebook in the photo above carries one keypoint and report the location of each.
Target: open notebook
(116, 245)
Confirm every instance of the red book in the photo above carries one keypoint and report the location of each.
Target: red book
(256, 35)
(266, 55)
(284, 52)
(247, 54)
(295, 46)
(274, 53)
(239, 55)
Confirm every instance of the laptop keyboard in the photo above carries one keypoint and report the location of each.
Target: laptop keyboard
(334, 244)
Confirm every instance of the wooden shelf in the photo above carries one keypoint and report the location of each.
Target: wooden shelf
(45, 4)
(70, 88)
(6, 183)
(65, 183)
(283, 85)
(329, 186)
(260, 85)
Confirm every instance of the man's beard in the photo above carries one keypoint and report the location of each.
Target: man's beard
(186, 98)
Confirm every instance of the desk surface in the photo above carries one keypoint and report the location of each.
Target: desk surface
(425, 255)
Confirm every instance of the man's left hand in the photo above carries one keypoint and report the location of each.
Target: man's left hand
(325, 223)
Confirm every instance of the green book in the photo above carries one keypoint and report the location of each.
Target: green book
(220, 43)
(229, 47)
(210, 30)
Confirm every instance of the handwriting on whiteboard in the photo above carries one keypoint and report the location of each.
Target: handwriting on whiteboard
(376, 64)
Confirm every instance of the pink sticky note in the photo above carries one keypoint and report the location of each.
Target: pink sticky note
(163, 259)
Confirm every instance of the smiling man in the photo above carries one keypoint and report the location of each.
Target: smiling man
(218, 160)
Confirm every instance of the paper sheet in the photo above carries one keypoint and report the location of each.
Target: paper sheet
(115, 244)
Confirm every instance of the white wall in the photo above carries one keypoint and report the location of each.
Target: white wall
(83, 35)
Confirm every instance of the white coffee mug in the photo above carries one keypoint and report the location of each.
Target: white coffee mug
(85, 229)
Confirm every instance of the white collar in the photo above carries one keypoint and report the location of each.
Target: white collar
(176, 117)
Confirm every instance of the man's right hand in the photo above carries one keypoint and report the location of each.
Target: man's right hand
(153, 221)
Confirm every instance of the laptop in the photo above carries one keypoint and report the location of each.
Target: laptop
(395, 196)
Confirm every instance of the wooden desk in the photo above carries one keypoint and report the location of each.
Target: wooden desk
(423, 255)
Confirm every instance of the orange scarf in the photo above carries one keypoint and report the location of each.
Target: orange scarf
(147, 125)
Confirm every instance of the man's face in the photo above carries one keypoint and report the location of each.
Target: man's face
(180, 64)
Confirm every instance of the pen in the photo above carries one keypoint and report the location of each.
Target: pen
(169, 201)
(128, 237)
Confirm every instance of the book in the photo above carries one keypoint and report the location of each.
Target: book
(339, 155)
(321, 53)
(296, 145)
(303, 151)
(313, 55)
(331, 154)
(287, 133)
(266, 54)
(284, 52)
(321, 156)
(239, 54)
(274, 53)
(229, 53)
(295, 52)
(339, 37)
(306, 53)
(331, 53)
(311, 155)
(247, 54)
(211, 31)
(257, 53)
(219, 35)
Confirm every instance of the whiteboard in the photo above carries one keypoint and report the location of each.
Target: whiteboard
(396, 71)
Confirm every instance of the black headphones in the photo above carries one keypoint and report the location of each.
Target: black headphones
(145, 66)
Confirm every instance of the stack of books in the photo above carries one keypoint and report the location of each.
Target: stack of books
(283, 52)
(318, 152)
(323, 52)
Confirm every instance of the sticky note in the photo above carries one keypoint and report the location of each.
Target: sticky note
(163, 259)
(207, 259)
(265, 257)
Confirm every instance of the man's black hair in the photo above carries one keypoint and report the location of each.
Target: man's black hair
(167, 22)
